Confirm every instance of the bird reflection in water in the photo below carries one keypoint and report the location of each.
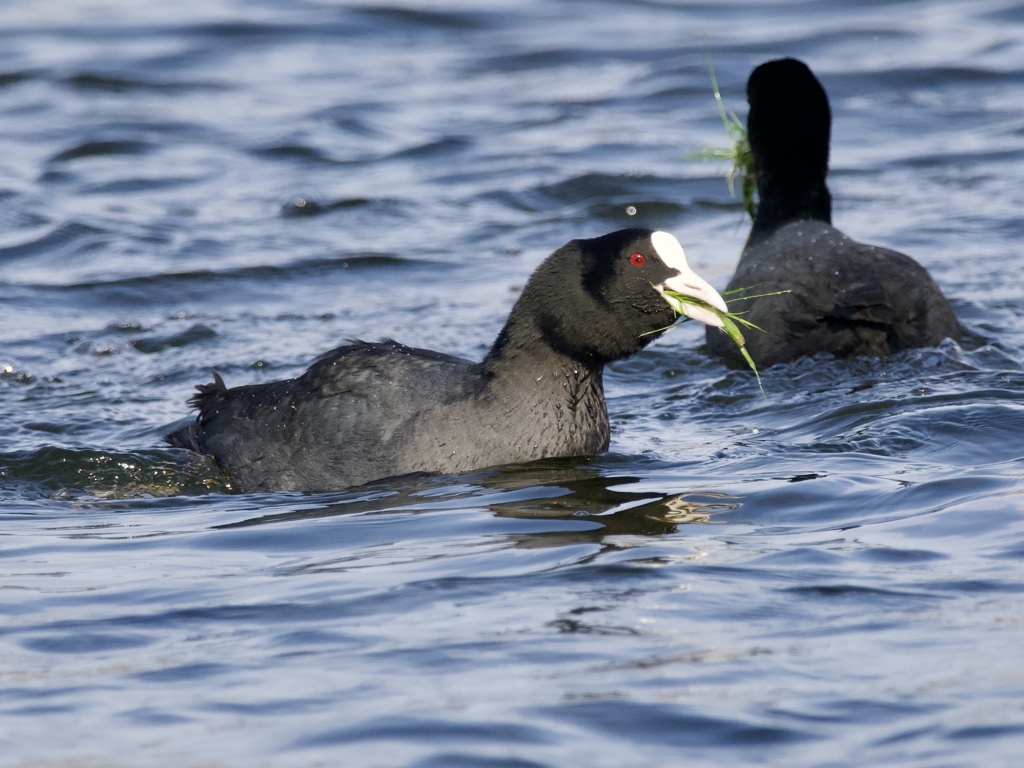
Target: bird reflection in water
(593, 505)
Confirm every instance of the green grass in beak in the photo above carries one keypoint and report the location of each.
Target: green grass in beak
(731, 321)
(738, 152)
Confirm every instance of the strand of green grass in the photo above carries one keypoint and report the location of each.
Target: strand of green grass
(731, 322)
(738, 153)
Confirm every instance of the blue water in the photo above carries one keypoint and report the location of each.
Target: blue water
(831, 575)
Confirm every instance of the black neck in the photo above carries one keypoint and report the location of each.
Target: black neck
(543, 389)
(781, 203)
(520, 353)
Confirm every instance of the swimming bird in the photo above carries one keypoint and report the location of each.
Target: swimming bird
(846, 297)
(371, 410)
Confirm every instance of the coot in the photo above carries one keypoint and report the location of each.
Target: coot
(366, 411)
(847, 298)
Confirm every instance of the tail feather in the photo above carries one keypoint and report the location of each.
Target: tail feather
(203, 391)
(187, 436)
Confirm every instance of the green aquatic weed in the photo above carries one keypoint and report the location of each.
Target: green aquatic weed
(731, 321)
(738, 152)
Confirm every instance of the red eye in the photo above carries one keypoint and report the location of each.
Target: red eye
(637, 259)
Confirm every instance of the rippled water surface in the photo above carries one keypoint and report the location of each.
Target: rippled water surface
(830, 575)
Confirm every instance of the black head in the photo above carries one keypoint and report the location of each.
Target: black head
(596, 300)
(789, 127)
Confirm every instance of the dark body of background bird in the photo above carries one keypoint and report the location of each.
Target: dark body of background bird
(843, 296)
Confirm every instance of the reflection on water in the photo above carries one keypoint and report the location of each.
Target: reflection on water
(600, 505)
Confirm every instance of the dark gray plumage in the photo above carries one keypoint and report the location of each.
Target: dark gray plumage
(372, 410)
(846, 297)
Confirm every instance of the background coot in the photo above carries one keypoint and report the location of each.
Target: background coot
(846, 297)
